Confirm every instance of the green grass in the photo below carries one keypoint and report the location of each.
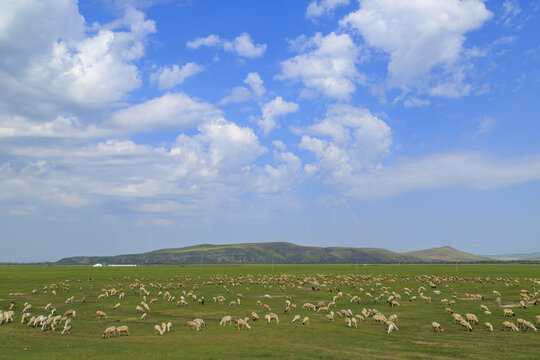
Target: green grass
(319, 340)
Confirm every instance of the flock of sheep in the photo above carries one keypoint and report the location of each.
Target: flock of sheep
(383, 290)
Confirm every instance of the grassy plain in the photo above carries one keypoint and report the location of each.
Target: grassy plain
(318, 340)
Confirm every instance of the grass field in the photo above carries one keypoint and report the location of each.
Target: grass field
(318, 340)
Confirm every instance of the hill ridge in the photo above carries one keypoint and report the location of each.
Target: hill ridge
(278, 252)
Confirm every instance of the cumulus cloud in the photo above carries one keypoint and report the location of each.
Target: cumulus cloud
(238, 94)
(419, 36)
(329, 66)
(273, 109)
(321, 7)
(255, 83)
(55, 63)
(169, 77)
(172, 111)
(242, 45)
(347, 142)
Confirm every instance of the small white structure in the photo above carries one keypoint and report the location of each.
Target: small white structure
(97, 265)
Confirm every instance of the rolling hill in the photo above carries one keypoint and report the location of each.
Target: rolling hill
(279, 253)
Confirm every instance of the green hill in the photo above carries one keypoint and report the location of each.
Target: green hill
(279, 253)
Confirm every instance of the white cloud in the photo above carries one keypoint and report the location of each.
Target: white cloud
(238, 94)
(255, 83)
(416, 102)
(462, 170)
(329, 68)
(242, 45)
(51, 60)
(209, 41)
(418, 35)
(348, 141)
(172, 111)
(167, 78)
(273, 109)
(321, 7)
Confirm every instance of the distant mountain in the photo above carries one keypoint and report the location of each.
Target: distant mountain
(509, 257)
(279, 253)
(445, 253)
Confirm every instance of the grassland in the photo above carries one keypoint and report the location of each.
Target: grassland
(318, 340)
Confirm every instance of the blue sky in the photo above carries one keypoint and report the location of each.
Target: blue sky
(128, 126)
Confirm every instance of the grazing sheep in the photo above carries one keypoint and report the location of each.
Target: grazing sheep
(488, 326)
(192, 325)
(154, 301)
(393, 318)
(200, 322)
(66, 330)
(254, 316)
(354, 323)
(71, 313)
(163, 327)
(484, 308)
(101, 315)
(437, 327)
(465, 325)
(456, 318)
(225, 320)
(520, 323)
(295, 319)
(115, 307)
(329, 318)
(23, 318)
(157, 330)
(529, 326)
(47, 307)
(508, 312)
(348, 322)
(122, 330)
(305, 321)
(471, 318)
(139, 309)
(448, 311)
(508, 325)
(169, 327)
(109, 332)
(359, 317)
(538, 319)
(392, 327)
(143, 316)
(380, 318)
(242, 324)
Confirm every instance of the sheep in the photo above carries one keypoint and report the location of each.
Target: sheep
(157, 330)
(305, 321)
(225, 320)
(145, 306)
(329, 318)
(393, 318)
(71, 313)
(538, 319)
(47, 307)
(508, 312)
(508, 325)
(520, 323)
(295, 319)
(154, 301)
(380, 318)
(115, 307)
(139, 309)
(437, 327)
(23, 318)
(143, 316)
(122, 330)
(348, 322)
(163, 327)
(471, 318)
(391, 327)
(242, 324)
(200, 322)
(448, 311)
(169, 326)
(101, 315)
(271, 316)
(192, 325)
(488, 326)
(109, 332)
(527, 325)
(484, 308)
(354, 322)
(465, 325)
(456, 318)
(359, 317)
(487, 312)
(254, 316)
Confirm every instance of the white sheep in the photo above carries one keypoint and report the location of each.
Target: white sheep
(296, 318)
(465, 325)
(488, 326)
(157, 330)
(305, 321)
(109, 332)
(116, 307)
(122, 330)
(391, 327)
(169, 327)
(101, 315)
(508, 325)
(225, 320)
(437, 327)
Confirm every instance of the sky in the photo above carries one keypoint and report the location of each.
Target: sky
(130, 126)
